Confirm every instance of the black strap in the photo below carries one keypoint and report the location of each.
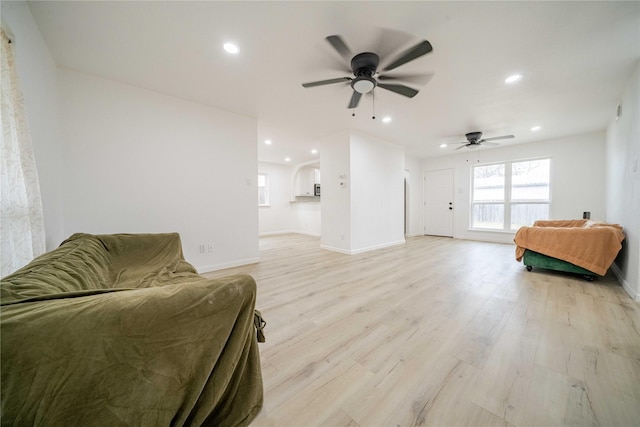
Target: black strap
(259, 324)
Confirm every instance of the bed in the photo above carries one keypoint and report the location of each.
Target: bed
(583, 247)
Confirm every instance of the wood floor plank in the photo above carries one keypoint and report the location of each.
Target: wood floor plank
(558, 400)
(613, 385)
(561, 343)
(503, 384)
(442, 332)
(478, 338)
(319, 404)
(453, 404)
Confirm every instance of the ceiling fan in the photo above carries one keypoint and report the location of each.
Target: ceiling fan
(364, 67)
(474, 140)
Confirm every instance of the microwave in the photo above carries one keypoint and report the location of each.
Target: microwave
(316, 189)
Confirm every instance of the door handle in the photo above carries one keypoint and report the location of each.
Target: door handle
(450, 208)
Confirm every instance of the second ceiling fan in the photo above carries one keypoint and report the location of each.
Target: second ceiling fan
(474, 140)
(364, 67)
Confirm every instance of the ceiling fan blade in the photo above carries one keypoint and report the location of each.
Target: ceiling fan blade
(327, 82)
(497, 138)
(399, 89)
(420, 79)
(410, 54)
(462, 146)
(355, 99)
(389, 41)
(340, 46)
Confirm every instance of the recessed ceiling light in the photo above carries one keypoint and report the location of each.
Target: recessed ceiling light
(386, 119)
(512, 79)
(287, 159)
(535, 128)
(314, 151)
(443, 145)
(231, 48)
(267, 141)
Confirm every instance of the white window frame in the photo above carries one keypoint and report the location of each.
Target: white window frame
(265, 188)
(507, 203)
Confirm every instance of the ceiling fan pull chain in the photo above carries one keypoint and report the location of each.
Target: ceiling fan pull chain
(373, 95)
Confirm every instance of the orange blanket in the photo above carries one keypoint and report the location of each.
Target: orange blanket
(588, 244)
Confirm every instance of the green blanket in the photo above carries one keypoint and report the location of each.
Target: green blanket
(120, 330)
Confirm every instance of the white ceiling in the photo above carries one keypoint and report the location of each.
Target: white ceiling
(575, 59)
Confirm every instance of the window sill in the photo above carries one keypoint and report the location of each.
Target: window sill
(264, 206)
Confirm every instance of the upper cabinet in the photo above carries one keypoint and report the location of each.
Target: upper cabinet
(306, 178)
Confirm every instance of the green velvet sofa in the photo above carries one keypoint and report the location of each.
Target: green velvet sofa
(119, 330)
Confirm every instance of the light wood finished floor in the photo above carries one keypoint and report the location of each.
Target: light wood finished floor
(440, 332)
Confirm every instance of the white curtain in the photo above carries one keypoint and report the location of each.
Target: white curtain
(21, 219)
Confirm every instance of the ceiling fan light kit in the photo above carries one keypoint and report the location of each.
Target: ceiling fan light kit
(363, 84)
(364, 67)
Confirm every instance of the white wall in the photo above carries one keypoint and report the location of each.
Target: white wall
(308, 217)
(377, 193)
(306, 210)
(143, 162)
(362, 193)
(415, 196)
(38, 81)
(278, 217)
(577, 174)
(623, 184)
(336, 198)
(286, 213)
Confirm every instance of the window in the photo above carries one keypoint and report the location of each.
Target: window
(22, 234)
(263, 189)
(508, 195)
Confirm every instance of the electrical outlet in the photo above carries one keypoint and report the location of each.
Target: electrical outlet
(210, 247)
(202, 248)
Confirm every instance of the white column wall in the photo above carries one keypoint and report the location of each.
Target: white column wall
(336, 192)
(415, 196)
(377, 193)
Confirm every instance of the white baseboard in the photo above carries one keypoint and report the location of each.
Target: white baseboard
(381, 246)
(618, 273)
(361, 250)
(275, 233)
(334, 249)
(308, 233)
(216, 267)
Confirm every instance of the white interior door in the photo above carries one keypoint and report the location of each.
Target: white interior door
(438, 206)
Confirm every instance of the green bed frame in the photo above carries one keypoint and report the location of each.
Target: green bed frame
(534, 259)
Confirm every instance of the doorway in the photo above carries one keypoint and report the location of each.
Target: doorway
(438, 205)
